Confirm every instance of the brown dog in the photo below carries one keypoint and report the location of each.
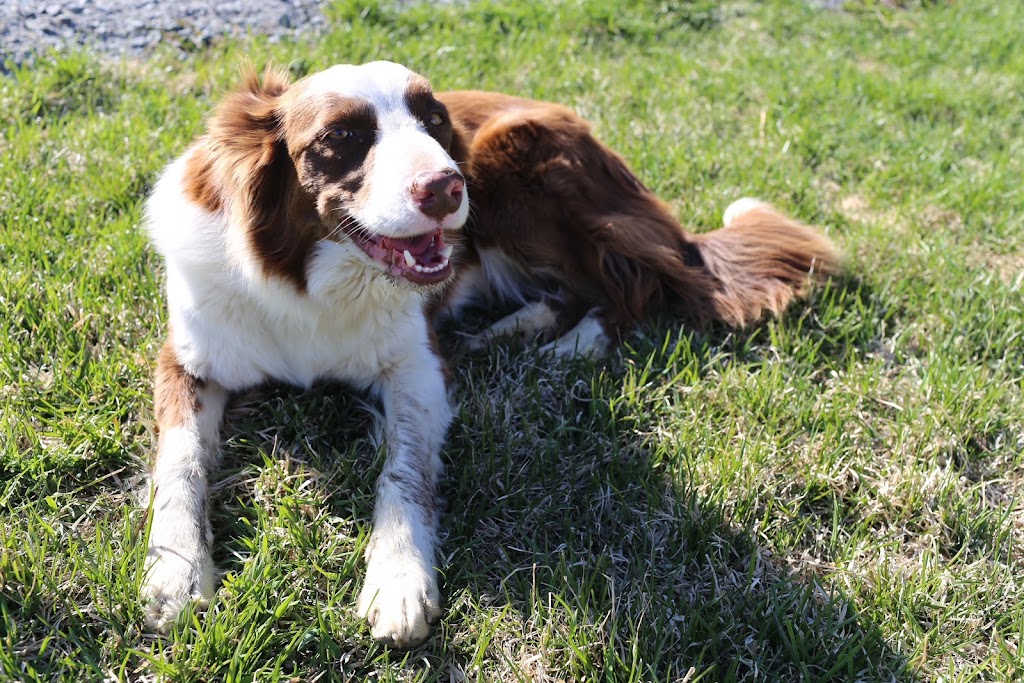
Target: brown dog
(561, 225)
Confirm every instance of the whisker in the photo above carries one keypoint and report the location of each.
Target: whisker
(344, 224)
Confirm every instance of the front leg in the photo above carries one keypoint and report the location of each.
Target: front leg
(178, 566)
(400, 597)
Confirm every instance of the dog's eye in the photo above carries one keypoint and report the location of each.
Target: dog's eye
(436, 119)
(339, 133)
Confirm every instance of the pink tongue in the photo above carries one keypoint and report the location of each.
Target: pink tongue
(414, 245)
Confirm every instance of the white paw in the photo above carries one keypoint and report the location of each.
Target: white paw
(400, 600)
(587, 340)
(475, 342)
(740, 207)
(172, 582)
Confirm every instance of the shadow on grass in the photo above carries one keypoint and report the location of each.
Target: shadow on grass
(587, 530)
(610, 559)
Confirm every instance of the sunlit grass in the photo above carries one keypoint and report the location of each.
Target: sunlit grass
(832, 496)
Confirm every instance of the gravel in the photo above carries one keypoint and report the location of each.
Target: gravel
(31, 28)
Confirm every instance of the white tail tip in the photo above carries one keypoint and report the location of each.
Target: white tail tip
(740, 207)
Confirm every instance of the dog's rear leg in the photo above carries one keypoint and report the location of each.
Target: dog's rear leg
(178, 566)
(400, 597)
(532, 320)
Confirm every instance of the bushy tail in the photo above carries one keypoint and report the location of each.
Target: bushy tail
(760, 261)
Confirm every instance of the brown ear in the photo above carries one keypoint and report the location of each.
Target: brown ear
(243, 135)
(247, 154)
(245, 129)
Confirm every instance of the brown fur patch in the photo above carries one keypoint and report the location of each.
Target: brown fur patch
(175, 391)
(324, 163)
(200, 181)
(423, 105)
(243, 162)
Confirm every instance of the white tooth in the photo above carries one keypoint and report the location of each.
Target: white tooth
(418, 268)
(409, 260)
(446, 253)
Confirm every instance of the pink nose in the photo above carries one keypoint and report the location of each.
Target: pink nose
(438, 194)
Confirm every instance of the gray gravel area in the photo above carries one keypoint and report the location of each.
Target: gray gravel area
(30, 28)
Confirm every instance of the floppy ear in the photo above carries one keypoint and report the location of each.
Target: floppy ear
(245, 130)
(245, 155)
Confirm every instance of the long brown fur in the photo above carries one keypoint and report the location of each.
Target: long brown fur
(244, 156)
(573, 217)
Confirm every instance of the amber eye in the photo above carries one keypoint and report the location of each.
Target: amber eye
(339, 133)
(436, 119)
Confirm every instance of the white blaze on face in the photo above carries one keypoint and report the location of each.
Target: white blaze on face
(403, 150)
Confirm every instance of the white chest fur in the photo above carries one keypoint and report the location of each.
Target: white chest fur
(233, 325)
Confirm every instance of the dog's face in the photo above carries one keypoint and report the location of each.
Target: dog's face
(357, 157)
(370, 144)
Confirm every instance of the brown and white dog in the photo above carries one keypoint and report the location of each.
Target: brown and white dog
(309, 231)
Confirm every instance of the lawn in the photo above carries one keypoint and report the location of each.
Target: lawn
(835, 495)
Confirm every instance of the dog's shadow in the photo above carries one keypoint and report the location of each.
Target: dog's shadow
(578, 526)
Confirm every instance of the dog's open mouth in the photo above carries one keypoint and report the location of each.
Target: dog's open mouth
(423, 259)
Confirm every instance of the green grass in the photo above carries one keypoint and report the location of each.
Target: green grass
(832, 496)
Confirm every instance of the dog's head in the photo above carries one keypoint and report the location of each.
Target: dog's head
(358, 156)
